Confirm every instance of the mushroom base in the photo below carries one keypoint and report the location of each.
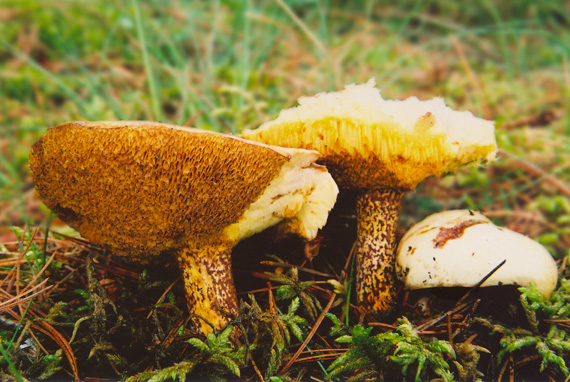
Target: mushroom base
(209, 284)
(377, 212)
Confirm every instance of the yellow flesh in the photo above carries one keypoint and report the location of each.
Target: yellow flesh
(374, 155)
(301, 196)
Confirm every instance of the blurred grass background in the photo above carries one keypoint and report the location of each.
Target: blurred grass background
(229, 65)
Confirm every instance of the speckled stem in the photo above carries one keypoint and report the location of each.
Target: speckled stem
(210, 290)
(377, 213)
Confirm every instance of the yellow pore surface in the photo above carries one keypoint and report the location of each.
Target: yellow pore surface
(369, 142)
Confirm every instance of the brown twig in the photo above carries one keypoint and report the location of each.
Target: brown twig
(32, 281)
(458, 308)
(565, 323)
(503, 368)
(23, 296)
(13, 276)
(286, 265)
(537, 172)
(161, 298)
(173, 332)
(63, 280)
(271, 298)
(309, 337)
(264, 276)
(544, 118)
(323, 357)
(50, 331)
(382, 325)
(79, 241)
(259, 375)
(449, 331)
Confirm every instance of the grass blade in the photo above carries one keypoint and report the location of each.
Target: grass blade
(155, 99)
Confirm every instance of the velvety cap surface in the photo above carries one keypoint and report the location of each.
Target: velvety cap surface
(144, 187)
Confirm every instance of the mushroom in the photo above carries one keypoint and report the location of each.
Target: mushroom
(146, 189)
(382, 149)
(459, 248)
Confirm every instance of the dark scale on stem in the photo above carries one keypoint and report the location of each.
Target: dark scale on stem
(378, 212)
(209, 283)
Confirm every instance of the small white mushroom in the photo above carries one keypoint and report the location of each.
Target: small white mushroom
(458, 248)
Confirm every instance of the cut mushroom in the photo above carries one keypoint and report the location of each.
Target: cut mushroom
(145, 189)
(381, 148)
(458, 248)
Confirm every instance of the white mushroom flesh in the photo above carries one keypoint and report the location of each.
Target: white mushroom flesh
(301, 196)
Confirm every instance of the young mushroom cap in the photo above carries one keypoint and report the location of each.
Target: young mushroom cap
(459, 248)
(146, 189)
(382, 148)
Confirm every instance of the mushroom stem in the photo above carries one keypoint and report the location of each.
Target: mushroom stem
(377, 213)
(209, 285)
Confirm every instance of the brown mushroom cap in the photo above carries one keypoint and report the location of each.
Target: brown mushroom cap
(135, 187)
(141, 189)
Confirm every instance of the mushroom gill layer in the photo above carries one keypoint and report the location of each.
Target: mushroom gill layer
(389, 143)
